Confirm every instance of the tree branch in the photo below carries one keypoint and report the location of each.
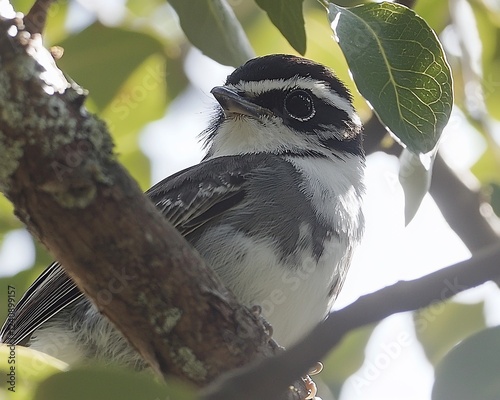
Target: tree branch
(460, 207)
(269, 377)
(58, 169)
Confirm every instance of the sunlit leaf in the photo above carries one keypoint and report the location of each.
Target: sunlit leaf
(346, 358)
(442, 325)
(141, 99)
(212, 27)
(107, 383)
(22, 369)
(8, 220)
(435, 13)
(175, 76)
(470, 370)
(399, 66)
(101, 59)
(415, 179)
(487, 168)
(495, 198)
(489, 31)
(288, 17)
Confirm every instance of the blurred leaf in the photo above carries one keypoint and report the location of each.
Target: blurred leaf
(139, 167)
(141, 99)
(55, 27)
(175, 76)
(415, 179)
(141, 7)
(43, 257)
(30, 367)
(471, 369)
(435, 13)
(101, 59)
(487, 168)
(8, 220)
(287, 16)
(495, 198)
(22, 5)
(264, 37)
(442, 325)
(488, 26)
(491, 85)
(212, 27)
(108, 383)
(399, 66)
(346, 358)
(56, 16)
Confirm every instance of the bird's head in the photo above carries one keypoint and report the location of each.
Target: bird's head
(283, 104)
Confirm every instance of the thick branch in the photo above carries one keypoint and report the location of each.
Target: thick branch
(58, 169)
(460, 207)
(265, 382)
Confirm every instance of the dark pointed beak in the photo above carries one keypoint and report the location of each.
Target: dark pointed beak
(234, 104)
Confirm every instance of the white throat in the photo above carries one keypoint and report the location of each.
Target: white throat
(335, 188)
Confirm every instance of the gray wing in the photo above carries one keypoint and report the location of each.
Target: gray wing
(49, 294)
(188, 199)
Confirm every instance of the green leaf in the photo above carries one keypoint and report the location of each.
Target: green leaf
(489, 31)
(471, 369)
(8, 221)
(176, 77)
(442, 325)
(101, 59)
(25, 368)
(212, 27)
(487, 168)
(288, 17)
(415, 178)
(495, 198)
(435, 13)
(109, 383)
(399, 67)
(346, 358)
(141, 99)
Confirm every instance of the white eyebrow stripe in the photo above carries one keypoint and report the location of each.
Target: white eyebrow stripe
(320, 89)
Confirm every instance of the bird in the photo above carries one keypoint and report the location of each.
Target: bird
(274, 207)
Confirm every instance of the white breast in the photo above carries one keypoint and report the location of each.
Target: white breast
(294, 300)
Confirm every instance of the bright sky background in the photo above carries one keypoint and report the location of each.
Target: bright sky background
(390, 252)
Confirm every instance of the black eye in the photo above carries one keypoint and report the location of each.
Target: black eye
(299, 105)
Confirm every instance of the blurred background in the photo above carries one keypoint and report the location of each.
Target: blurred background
(153, 89)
